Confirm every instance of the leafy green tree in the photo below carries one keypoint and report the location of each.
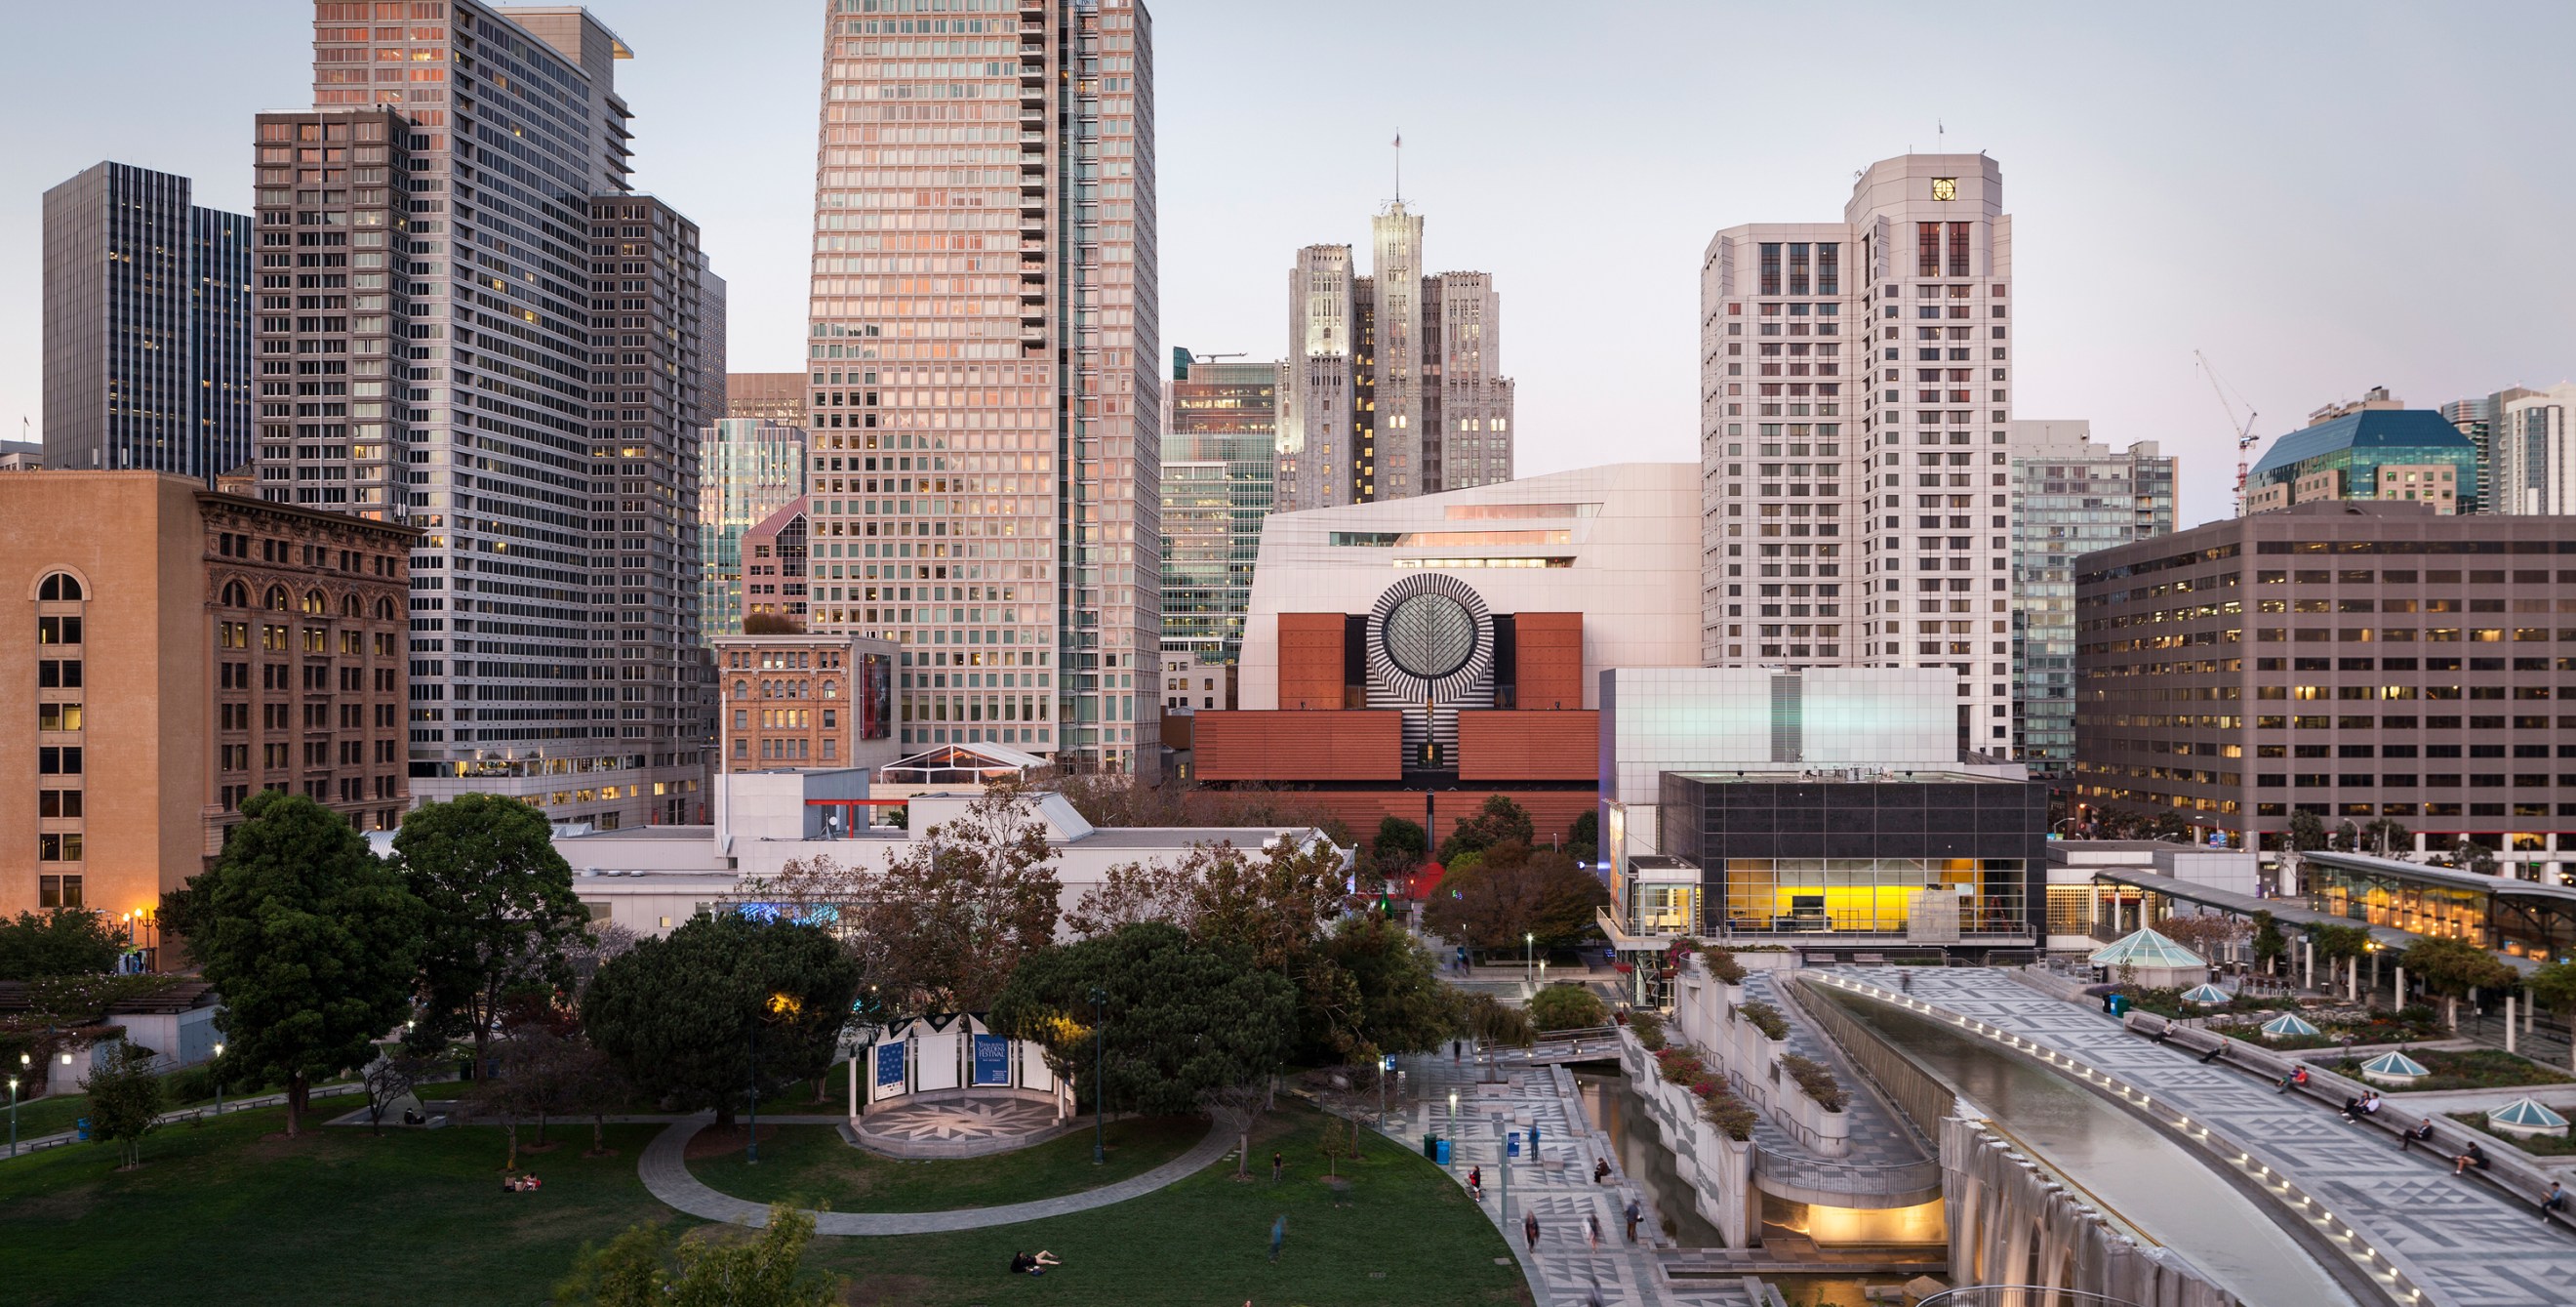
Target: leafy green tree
(1567, 1007)
(2269, 943)
(1180, 1020)
(1401, 1006)
(1514, 893)
(2554, 987)
(2388, 837)
(951, 917)
(310, 938)
(1497, 821)
(1498, 1024)
(1398, 837)
(2469, 855)
(2451, 968)
(762, 1270)
(125, 1100)
(679, 1015)
(1583, 839)
(1271, 904)
(60, 942)
(501, 912)
(2307, 831)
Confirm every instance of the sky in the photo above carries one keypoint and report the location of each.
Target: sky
(2322, 197)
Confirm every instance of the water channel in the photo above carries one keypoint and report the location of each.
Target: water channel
(2132, 1170)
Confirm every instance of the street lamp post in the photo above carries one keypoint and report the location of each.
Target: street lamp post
(1453, 1122)
(1099, 1077)
(217, 1071)
(1529, 951)
(13, 1116)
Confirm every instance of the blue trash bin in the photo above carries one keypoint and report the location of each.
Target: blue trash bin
(82, 1126)
(1444, 1152)
(2119, 1004)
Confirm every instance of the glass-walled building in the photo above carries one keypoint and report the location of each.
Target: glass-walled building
(748, 469)
(2384, 453)
(2518, 918)
(1217, 478)
(2070, 497)
(1855, 858)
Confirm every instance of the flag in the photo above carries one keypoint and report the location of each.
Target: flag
(1399, 140)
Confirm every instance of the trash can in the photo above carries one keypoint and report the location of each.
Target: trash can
(1431, 1145)
(2119, 1004)
(1443, 1158)
(82, 1126)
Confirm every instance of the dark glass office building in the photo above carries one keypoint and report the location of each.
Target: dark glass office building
(1836, 861)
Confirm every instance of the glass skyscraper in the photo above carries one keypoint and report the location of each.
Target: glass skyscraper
(984, 370)
(2069, 497)
(1217, 468)
(147, 326)
(750, 469)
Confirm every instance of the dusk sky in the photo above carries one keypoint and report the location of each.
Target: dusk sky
(2323, 197)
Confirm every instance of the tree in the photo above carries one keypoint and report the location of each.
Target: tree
(1180, 1019)
(946, 923)
(2269, 943)
(1583, 839)
(594, 1087)
(2206, 933)
(532, 1077)
(1401, 1005)
(2307, 831)
(679, 1014)
(1272, 904)
(310, 938)
(61, 942)
(1514, 893)
(1398, 838)
(2554, 987)
(389, 1078)
(763, 1270)
(2388, 837)
(2452, 968)
(501, 912)
(1331, 1140)
(1497, 821)
(2469, 855)
(1498, 1024)
(1567, 1007)
(125, 1098)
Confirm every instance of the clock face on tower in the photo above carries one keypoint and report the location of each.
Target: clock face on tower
(1945, 188)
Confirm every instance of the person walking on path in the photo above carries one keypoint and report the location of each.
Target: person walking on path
(1476, 1183)
(1278, 1161)
(1278, 1234)
(1592, 1230)
(1634, 1214)
(1529, 1229)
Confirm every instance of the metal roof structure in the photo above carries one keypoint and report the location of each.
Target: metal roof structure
(2146, 948)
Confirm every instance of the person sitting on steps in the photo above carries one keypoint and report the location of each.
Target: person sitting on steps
(2297, 1079)
(2422, 1133)
(2476, 1157)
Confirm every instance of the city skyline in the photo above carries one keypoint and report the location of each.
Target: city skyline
(2263, 282)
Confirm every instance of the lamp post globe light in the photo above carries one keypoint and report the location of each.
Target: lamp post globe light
(777, 1007)
(217, 1072)
(1099, 1077)
(13, 1116)
(1529, 950)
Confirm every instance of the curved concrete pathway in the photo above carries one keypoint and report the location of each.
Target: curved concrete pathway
(666, 1176)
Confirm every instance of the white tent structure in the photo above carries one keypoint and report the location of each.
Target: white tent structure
(2157, 962)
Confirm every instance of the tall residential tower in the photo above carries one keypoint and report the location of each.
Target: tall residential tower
(147, 326)
(984, 369)
(1217, 464)
(1855, 405)
(2069, 498)
(468, 323)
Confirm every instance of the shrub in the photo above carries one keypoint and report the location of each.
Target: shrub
(1680, 1068)
(1649, 1028)
(1567, 1007)
(1817, 1080)
(1765, 1018)
(196, 1084)
(1728, 1113)
(1721, 963)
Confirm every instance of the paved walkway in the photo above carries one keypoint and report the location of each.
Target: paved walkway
(666, 1176)
(1885, 1151)
(230, 1106)
(2465, 1244)
(1564, 1269)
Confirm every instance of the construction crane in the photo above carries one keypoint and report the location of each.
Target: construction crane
(2245, 437)
(1184, 359)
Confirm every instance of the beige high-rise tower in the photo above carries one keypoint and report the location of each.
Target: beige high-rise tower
(1394, 384)
(1855, 408)
(983, 370)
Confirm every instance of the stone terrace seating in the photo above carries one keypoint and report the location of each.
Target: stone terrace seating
(2511, 1174)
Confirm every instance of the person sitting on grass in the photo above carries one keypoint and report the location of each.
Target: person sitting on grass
(2476, 1157)
(1037, 1264)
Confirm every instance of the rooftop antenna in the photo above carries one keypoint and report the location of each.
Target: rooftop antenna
(1399, 165)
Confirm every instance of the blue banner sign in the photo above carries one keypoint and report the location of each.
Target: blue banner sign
(889, 1064)
(992, 1060)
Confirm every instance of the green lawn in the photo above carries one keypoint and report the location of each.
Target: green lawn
(227, 1213)
(810, 1166)
(2537, 1145)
